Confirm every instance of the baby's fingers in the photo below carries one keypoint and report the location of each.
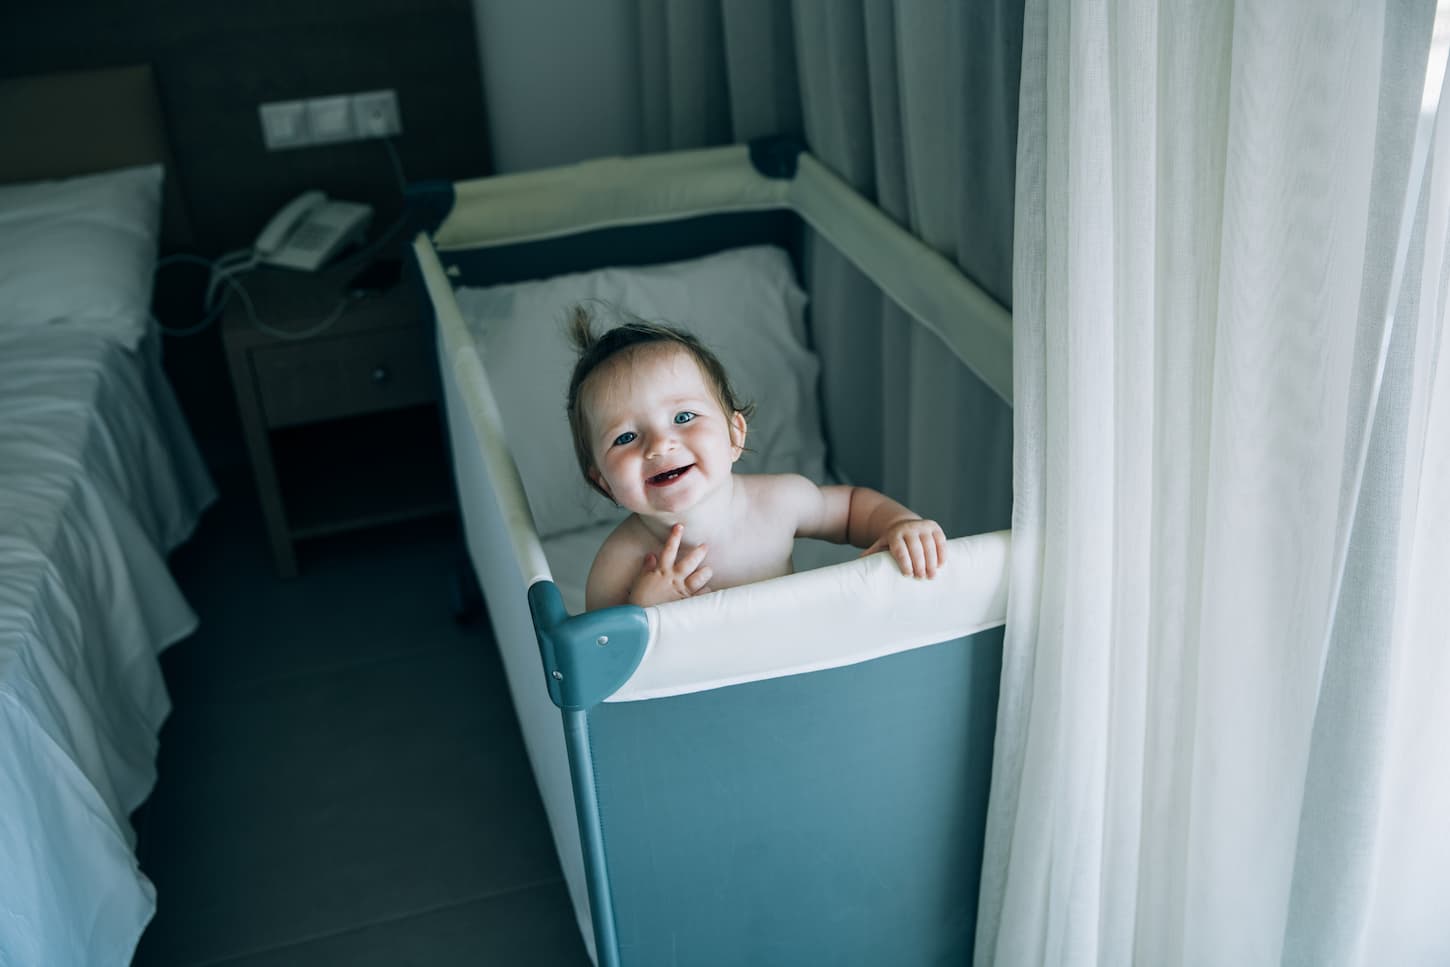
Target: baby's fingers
(672, 546)
(931, 553)
(650, 562)
(692, 559)
(697, 581)
(916, 549)
(902, 554)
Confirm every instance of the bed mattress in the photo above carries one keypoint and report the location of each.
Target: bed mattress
(98, 480)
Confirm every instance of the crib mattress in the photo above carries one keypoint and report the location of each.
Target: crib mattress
(98, 480)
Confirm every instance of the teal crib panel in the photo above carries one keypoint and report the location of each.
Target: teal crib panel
(830, 818)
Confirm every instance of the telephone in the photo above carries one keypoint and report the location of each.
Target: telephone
(311, 229)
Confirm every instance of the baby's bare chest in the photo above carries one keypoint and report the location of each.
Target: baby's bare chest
(750, 553)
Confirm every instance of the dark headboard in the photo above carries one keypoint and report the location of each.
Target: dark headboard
(78, 122)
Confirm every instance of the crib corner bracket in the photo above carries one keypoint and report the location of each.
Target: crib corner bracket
(587, 657)
(774, 156)
(427, 203)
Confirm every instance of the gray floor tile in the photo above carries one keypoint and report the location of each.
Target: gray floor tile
(364, 596)
(320, 801)
(342, 779)
(527, 928)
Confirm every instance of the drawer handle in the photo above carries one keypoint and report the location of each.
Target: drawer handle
(381, 374)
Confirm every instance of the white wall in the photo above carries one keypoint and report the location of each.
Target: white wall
(560, 80)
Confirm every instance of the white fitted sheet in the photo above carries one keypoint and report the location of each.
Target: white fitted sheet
(99, 478)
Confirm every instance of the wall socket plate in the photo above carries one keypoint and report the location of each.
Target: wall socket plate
(330, 120)
(375, 114)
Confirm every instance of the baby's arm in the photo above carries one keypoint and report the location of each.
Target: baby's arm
(869, 519)
(625, 572)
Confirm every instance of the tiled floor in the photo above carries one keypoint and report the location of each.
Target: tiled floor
(341, 779)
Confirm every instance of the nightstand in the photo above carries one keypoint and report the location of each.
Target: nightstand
(342, 427)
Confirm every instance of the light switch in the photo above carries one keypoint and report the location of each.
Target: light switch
(330, 119)
(284, 124)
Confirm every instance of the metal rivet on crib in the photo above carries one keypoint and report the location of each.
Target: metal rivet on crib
(602, 640)
(558, 676)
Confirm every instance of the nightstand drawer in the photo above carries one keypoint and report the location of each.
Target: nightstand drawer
(363, 373)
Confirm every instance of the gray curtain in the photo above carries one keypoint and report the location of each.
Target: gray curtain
(915, 105)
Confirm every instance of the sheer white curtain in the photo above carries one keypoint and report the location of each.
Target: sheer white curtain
(1222, 737)
(915, 105)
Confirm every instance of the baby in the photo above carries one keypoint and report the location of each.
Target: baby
(657, 429)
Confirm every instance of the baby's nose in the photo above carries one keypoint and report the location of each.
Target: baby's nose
(660, 442)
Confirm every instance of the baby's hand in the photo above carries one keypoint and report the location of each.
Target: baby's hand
(919, 546)
(670, 576)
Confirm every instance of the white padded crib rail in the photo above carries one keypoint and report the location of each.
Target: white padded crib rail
(471, 382)
(616, 191)
(778, 627)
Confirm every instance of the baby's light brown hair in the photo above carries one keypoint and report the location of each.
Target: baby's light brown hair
(594, 351)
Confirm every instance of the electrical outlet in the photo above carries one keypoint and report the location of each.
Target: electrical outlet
(375, 114)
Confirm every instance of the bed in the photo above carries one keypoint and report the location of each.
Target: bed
(789, 772)
(99, 480)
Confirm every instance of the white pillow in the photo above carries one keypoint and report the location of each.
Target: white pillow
(743, 304)
(81, 251)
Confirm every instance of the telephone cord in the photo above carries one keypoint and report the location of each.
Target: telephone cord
(233, 263)
(228, 282)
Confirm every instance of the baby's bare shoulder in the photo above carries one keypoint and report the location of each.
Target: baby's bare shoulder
(776, 488)
(630, 538)
(785, 499)
(807, 509)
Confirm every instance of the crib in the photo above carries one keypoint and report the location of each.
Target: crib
(791, 772)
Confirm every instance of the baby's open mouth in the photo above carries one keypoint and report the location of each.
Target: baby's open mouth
(670, 476)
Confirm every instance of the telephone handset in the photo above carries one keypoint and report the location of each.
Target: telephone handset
(310, 230)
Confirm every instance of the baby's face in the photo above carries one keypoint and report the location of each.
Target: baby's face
(660, 440)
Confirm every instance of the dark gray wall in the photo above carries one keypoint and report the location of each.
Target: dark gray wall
(561, 79)
(214, 63)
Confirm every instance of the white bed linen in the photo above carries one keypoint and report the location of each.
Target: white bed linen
(79, 252)
(99, 478)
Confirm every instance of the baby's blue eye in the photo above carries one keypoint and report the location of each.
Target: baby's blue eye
(623, 438)
(684, 417)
